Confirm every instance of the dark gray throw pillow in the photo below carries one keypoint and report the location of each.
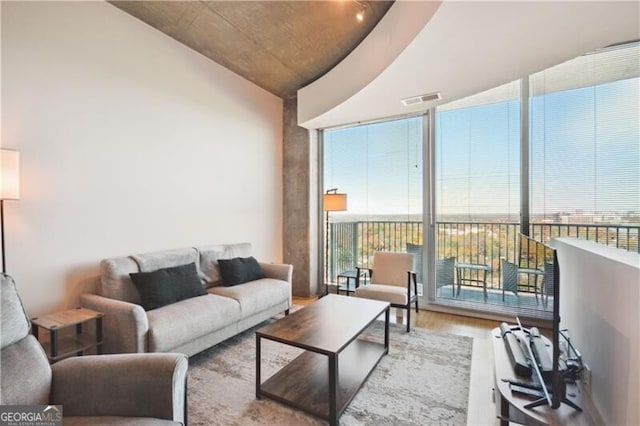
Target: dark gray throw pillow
(167, 285)
(239, 270)
(154, 288)
(185, 281)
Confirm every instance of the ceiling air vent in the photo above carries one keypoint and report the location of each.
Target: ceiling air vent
(415, 100)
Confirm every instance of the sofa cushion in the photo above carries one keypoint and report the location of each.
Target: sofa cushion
(179, 323)
(167, 285)
(115, 282)
(155, 289)
(386, 293)
(209, 255)
(240, 270)
(256, 296)
(185, 281)
(164, 259)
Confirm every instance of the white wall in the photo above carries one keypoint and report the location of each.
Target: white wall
(130, 142)
(600, 305)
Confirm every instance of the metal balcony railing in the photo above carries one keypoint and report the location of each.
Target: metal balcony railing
(354, 243)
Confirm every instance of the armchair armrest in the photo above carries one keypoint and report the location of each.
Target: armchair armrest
(125, 324)
(369, 270)
(277, 271)
(130, 385)
(359, 270)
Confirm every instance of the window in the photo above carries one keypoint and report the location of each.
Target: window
(583, 158)
(379, 167)
(585, 140)
(478, 156)
(477, 193)
(584, 177)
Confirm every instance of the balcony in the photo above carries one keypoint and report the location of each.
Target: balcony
(470, 243)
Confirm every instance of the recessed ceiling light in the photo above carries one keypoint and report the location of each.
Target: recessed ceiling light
(415, 100)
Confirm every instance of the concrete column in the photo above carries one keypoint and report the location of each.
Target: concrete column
(300, 209)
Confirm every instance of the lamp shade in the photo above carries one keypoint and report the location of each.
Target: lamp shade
(9, 174)
(335, 202)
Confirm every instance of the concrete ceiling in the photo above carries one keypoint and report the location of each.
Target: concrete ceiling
(281, 46)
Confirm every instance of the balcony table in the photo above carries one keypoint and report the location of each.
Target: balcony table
(350, 276)
(472, 267)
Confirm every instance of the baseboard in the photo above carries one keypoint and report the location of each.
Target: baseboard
(591, 407)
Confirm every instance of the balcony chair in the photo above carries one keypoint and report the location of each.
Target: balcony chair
(548, 281)
(445, 274)
(126, 389)
(416, 251)
(509, 277)
(391, 279)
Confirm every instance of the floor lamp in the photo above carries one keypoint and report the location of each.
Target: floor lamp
(9, 187)
(332, 202)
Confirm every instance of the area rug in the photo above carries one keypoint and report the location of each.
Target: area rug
(424, 380)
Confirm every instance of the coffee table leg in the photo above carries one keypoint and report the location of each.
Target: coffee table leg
(386, 330)
(258, 396)
(333, 389)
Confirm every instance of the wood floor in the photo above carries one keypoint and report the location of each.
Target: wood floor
(480, 410)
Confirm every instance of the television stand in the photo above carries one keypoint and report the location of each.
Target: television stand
(512, 406)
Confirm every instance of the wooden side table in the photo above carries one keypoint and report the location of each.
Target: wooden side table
(58, 348)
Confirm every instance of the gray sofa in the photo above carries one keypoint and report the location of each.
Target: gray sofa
(192, 325)
(128, 389)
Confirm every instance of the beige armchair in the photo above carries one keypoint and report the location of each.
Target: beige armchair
(392, 280)
(127, 389)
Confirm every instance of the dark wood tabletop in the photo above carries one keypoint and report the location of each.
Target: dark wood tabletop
(326, 326)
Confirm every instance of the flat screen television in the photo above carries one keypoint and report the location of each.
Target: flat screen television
(536, 255)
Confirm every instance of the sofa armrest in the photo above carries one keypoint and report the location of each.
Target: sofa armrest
(277, 271)
(125, 324)
(129, 385)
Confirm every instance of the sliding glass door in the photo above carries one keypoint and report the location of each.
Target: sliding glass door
(476, 194)
(379, 168)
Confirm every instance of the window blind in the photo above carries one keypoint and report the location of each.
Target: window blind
(585, 139)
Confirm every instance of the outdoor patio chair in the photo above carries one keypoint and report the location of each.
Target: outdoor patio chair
(416, 251)
(509, 277)
(445, 274)
(547, 283)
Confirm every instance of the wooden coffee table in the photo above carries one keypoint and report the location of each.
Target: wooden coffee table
(325, 378)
